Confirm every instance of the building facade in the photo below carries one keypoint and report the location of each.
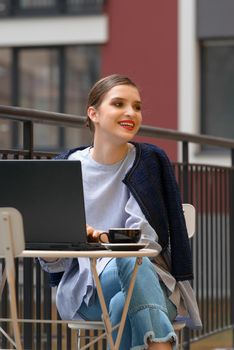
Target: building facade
(180, 53)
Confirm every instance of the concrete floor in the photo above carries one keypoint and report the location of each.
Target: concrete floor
(220, 341)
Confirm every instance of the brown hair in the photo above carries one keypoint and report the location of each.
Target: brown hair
(100, 89)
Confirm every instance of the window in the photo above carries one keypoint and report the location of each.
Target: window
(217, 102)
(39, 89)
(52, 7)
(203, 26)
(5, 95)
(81, 72)
(54, 79)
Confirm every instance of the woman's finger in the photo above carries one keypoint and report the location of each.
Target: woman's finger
(89, 230)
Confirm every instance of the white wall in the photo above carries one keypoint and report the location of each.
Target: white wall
(53, 31)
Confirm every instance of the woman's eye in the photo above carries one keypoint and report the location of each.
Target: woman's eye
(138, 108)
(118, 104)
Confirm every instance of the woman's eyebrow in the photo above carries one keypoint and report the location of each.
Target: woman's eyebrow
(123, 99)
(118, 98)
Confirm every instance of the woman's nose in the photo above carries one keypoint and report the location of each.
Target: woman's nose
(130, 111)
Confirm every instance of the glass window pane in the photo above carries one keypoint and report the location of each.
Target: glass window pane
(39, 89)
(82, 70)
(217, 89)
(36, 3)
(39, 74)
(5, 96)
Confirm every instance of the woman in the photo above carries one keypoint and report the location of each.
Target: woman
(130, 185)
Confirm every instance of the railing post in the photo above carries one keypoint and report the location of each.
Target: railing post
(28, 138)
(232, 243)
(185, 160)
(47, 312)
(28, 263)
(28, 302)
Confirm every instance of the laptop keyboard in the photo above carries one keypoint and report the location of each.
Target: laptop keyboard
(90, 246)
(67, 247)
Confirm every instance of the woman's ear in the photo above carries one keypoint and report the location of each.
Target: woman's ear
(92, 114)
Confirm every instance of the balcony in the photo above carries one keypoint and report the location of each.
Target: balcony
(209, 188)
(23, 8)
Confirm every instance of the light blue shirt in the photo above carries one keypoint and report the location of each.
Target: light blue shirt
(108, 203)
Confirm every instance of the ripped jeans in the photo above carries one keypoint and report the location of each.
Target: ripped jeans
(150, 311)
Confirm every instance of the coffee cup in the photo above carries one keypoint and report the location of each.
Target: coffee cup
(121, 235)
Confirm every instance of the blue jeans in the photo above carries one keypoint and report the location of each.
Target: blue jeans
(150, 311)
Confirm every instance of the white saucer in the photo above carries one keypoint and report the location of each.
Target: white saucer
(124, 246)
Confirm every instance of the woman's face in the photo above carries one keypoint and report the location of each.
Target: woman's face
(119, 115)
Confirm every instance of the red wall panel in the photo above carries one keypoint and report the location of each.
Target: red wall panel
(143, 45)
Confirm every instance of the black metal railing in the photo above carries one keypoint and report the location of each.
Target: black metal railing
(209, 188)
(9, 8)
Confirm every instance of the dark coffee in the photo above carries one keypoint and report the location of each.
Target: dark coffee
(122, 235)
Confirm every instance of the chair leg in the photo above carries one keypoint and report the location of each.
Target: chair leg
(13, 306)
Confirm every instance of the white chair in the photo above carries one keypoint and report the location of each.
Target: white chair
(11, 245)
(190, 220)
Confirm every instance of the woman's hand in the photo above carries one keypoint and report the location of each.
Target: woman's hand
(50, 259)
(93, 235)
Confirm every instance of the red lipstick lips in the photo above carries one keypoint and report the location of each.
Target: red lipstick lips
(127, 124)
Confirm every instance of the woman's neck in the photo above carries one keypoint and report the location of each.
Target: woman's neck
(109, 153)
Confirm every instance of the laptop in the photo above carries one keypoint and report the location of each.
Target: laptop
(49, 195)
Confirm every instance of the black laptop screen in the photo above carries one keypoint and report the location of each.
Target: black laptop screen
(49, 195)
